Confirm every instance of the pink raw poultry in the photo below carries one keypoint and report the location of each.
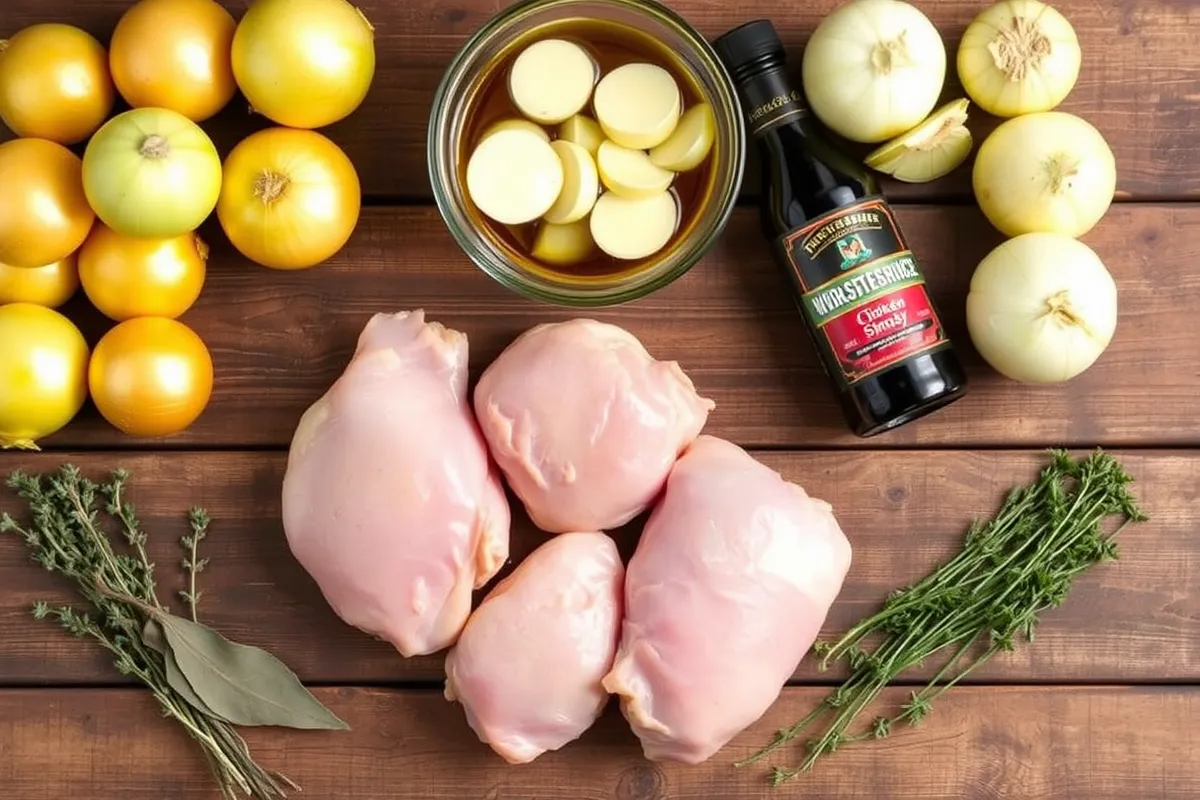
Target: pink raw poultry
(728, 588)
(585, 424)
(390, 501)
(527, 667)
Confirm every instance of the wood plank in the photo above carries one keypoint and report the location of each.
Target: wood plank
(1134, 620)
(1138, 83)
(280, 339)
(1050, 743)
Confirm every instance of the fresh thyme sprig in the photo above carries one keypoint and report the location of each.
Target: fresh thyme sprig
(65, 536)
(199, 521)
(1009, 570)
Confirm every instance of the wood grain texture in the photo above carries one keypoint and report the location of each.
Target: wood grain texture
(1146, 44)
(1047, 743)
(1134, 620)
(278, 340)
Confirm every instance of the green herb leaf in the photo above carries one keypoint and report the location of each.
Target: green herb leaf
(156, 640)
(1009, 570)
(65, 533)
(244, 685)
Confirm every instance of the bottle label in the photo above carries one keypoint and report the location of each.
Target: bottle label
(861, 290)
(770, 100)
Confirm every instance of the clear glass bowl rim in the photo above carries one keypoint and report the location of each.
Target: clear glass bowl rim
(439, 163)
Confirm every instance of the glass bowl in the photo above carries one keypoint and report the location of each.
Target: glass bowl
(467, 74)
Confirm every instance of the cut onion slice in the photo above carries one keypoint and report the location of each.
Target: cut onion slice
(630, 229)
(583, 131)
(688, 146)
(935, 148)
(629, 173)
(581, 184)
(563, 245)
(552, 80)
(514, 176)
(638, 105)
(516, 123)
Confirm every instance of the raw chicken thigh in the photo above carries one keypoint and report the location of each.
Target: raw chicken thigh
(727, 591)
(585, 424)
(527, 667)
(389, 500)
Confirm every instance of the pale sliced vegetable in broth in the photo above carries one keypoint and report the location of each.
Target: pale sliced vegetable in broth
(638, 105)
(583, 131)
(628, 228)
(516, 124)
(552, 80)
(581, 184)
(514, 176)
(689, 144)
(563, 245)
(630, 173)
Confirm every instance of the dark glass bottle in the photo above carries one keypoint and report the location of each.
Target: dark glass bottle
(857, 285)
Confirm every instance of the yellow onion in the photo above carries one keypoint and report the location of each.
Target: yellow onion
(43, 373)
(304, 63)
(50, 286)
(151, 173)
(54, 83)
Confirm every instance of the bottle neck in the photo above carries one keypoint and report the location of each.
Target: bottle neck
(769, 99)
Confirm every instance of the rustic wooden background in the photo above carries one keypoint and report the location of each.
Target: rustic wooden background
(1103, 706)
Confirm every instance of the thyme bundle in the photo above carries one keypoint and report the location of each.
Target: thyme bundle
(202, 680)
(1009, 570)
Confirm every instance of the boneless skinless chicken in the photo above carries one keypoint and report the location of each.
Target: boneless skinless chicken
(731, 581)
(389, 499)
(585, 423)
(527, 668)
(391, 503)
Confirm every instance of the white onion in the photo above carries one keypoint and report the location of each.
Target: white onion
(1042, 308)
(874, 69)
(1019, 57)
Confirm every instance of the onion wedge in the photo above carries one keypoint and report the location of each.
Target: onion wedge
(936, 147)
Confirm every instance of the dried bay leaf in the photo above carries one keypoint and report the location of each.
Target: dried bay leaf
(154, 638)
(243, 685)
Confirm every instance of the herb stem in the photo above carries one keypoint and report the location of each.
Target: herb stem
(1008, 570)
(65, 536)
(191, 599)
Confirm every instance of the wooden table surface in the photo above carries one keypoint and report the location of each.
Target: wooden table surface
(1103, 705)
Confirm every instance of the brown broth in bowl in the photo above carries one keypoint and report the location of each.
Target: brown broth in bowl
(611, 45)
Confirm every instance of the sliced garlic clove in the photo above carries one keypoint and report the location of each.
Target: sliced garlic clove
(638, 105)
(515, 123)
(563, 245)
(552, 80)
(630, 173)
(583, 131)
(689, 144)
(936, 147)
(581, 184)
(630, 229)
(514, 176)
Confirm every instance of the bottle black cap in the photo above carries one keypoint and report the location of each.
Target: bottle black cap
(748, 43)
